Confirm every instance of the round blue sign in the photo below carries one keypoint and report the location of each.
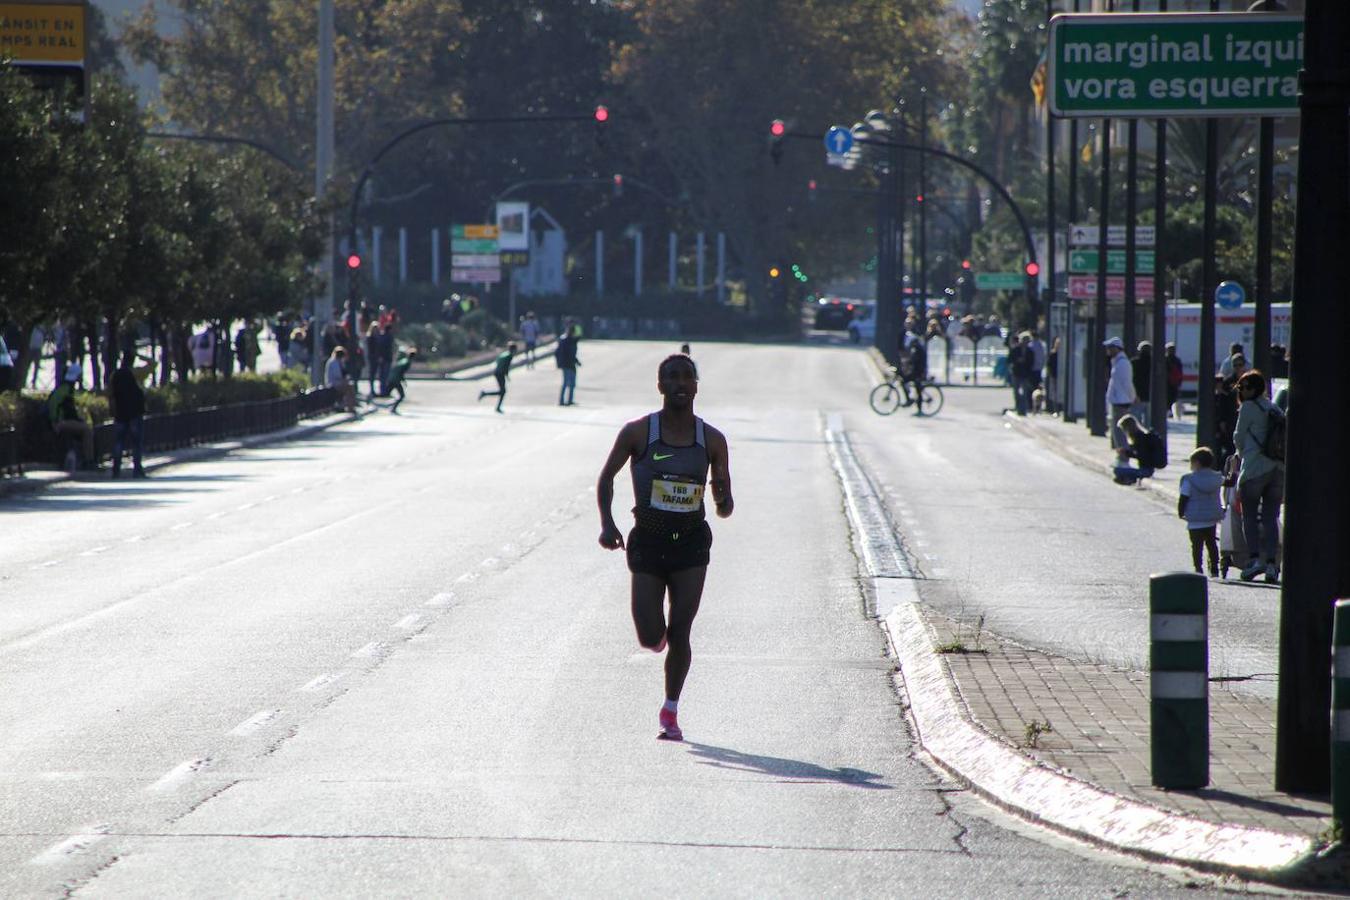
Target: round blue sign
(1229, 294)
(838, 141)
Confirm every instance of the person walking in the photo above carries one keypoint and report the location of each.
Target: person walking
(529, 333)
(1021, 362)
(1261, 476)
(1176, 374)
(1120, 396)
(671, 454)
(128, 411)
(566, 357)
(1200, 507)
(501, 372)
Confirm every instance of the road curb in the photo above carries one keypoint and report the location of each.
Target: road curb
(41, 479)
(1043, 794)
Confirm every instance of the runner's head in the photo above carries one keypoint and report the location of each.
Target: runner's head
(677, 380)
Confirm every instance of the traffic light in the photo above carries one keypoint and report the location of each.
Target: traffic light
(774, 272)
(778, 288)
(777, 128)
(618, 185)
(354, 261)
(1033, 269)
(601, 118)
(965, 265)
(798, 274)
(811, 191)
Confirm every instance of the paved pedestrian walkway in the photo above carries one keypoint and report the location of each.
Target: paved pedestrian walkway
(1093, 722)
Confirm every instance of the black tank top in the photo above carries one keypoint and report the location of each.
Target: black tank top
(668, 483)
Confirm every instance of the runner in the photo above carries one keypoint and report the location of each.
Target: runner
(396, 376)
(671, 452)
(500, 373)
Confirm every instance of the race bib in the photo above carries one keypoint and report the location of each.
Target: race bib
(676, 496)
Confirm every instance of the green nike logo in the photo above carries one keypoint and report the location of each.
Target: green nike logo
(660, 456)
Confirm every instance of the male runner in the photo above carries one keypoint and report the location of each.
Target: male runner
(671, 452)
(500, 373)
(396, 377)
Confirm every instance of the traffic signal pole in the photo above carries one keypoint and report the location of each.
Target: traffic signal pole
(1317, 518)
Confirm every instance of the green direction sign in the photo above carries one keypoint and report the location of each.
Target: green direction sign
(473, 245)
(1175, 64)
(1000, 281)
(1086, 261)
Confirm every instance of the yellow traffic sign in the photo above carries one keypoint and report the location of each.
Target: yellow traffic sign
(38, 34)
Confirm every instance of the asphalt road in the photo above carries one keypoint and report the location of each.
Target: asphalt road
(391, 660)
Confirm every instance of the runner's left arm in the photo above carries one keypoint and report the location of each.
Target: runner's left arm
(719, 456)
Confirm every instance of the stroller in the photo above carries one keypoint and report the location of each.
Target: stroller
(1232, 545)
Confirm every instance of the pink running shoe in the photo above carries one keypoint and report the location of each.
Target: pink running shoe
(661, 646)
(670, 728)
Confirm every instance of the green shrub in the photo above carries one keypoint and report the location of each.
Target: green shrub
(434, 339)
(489, 331)
(11, 408)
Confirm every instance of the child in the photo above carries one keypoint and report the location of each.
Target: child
(1199, 506)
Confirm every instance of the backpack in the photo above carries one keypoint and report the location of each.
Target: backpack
(1276, 429)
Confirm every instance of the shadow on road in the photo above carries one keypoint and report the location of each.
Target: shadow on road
(795, 769)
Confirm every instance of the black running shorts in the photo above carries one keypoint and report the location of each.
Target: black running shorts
(660, 555)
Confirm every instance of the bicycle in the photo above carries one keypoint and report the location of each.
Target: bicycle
(896, 392)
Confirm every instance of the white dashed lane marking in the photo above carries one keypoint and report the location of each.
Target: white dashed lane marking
(181, 525)
(255, 722)
(444, 599)
(319, 683)
(71, 846)
(96, 551)
(371, 649)
(408, 621)
(179, 774)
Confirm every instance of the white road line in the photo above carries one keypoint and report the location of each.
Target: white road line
(135, 538)
(269, 498)
(467, 576)
(96, 551)
(76, 843)
(244, 506)
(255, 722)
(47, 565)
(216, 515)
(181, 525)
(319, 683)
(408, 621)
(369, 650)
(299, 490)
(179, 774)
(489, 562)
(443, 599)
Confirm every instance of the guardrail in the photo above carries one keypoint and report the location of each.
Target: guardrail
(204, 426)
(9, 453)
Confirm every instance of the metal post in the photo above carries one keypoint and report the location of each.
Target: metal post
(1178, 605)
(1204, 415)
(1066, 365)
(887, 328)
(599, 263)
(671, 253)
(698, 266)
(435, 256)
(1319, 419)
(324, 154)
(1340, 715)
(721, 267)
(376, 234)
(922, 270)
(901, 199)
(637, 263)
(1265, 190)
(1131, 216)
(1097, 412)
(1158, 382)
(402, 255)
(1051, 224)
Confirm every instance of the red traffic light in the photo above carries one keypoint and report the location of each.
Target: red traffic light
(965, 264)
(618, 180)
(919, 198)
(602, 114)
(354, 261)
(811, 185)
(1033, 269)
(777, 128)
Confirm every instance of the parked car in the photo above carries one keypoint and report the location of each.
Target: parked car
(863, 328)
(833, 314)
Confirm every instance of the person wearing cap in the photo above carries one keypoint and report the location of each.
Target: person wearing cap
(1120, 395)
(65, 417)
(1142, 364)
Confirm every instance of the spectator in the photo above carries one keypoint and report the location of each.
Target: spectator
(374, 352)
(282, 332)
(1226, 366)
(300, 349)
(1052, 377)
(566, 357)
(128, 409)
(1279, 361)
(1143, 379)
(1142, 445)
(204, 350)
(7, 379)
(1038, 356)
(1199, 505)
(1120, 396)
(1226, 408)
(246, 347)
(37, 342)
(1175, 376)
(60, 338)
(1020, 363)
(335, 377)
(529, 333)
(1261, 477)
(66, 420)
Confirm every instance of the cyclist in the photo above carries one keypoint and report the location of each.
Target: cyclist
(913, 367)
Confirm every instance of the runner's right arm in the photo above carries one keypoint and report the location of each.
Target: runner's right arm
(625, 447)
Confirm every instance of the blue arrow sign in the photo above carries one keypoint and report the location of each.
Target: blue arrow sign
(1229, 294)
(838, 141)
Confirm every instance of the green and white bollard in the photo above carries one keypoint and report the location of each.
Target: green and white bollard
(1179, 680)
(1340, 715)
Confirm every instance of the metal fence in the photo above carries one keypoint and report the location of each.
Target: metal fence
(9, 453)
(966, 363)
(204, 426)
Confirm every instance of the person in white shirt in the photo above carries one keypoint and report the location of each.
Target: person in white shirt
(1120, 394)
(335, 377)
